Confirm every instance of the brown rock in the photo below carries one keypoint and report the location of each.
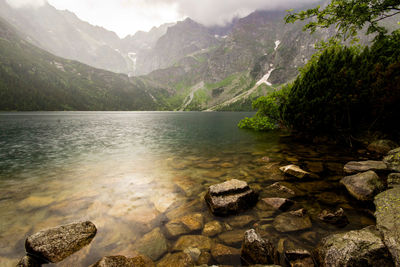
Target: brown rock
(55, 244)
(256, 250)
(292, 221)
(382, 146)
(193, 241)
(225, 255)
(179, 259)
(363, 186)
(337, 218)
(363, 166)
(299, 258)
(230, 197)
(212, 228)
(278, 203)
(295, 171)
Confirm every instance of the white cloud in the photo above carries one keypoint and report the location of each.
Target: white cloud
(128, 16)
(25, 3)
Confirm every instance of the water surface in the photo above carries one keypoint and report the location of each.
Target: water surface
(131, 172)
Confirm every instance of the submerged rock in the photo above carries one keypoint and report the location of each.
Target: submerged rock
(294, 170)
(382, 146)
(363, 166)
(292, 221)
(232, 238)
(355, 248)
(225, 255)
(392, 160)
(212, 228)
(152, 244)
(122, 261)
(388, 220)
(193, 241)
(363, 186)
(230, 197)
(55, 244)
(179, 259)
(185, 225)
(28, 261)
(256, 250)
(337, 218)
(278, 203)
(299, 258)
(279, 190)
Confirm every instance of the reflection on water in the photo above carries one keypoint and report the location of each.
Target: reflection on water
(131, 172)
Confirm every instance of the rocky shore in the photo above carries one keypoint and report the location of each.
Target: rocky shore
(243, 239)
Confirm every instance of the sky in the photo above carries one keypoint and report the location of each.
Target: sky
(128, 16)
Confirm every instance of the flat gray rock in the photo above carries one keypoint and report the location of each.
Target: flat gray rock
(363, 186)
(55, 244)
(363, 166)
(295, 171)
(230, 197)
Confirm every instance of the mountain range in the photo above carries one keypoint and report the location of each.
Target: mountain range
(177, 66)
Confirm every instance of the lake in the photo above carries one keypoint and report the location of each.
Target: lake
(133, 172)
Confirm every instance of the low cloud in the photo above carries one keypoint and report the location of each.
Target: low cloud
(218, 12)
(25, 3)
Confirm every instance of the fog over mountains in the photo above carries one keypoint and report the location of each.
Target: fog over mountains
(192, 66)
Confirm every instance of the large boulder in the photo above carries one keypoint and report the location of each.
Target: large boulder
(363, 166)
(256, 250)
(388, 220)
(382, 146)
(230, 197)
(355, 248)
(392, 159)
(292, 221)
(55, 244)
(363, 186)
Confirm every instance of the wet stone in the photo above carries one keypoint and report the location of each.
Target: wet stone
(212, 228)
(122, 261)
(152, 244)
(278, 203)
(179, 259)
(363, 186)
(55, 244)
(230, 197)
(193, 241)
(225, 255)
(393, 179)
(27, 261)
(331, 198)
(392, 160)
(278, 190)
(363, 166)
(227, 165)
(194, 253)
(241, 221)
(204, 258)
(256, 250)
(382, 146)
(337, 218)
(299, 257)
(294, 171)
(292, 221)
(232, 238)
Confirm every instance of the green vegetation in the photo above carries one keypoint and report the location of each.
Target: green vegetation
(268, 116)
(349, 16)
(342, 91)
(32, 79)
